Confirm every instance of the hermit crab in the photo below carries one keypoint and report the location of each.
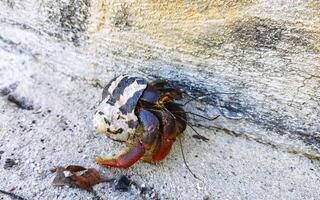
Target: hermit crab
(143, 114)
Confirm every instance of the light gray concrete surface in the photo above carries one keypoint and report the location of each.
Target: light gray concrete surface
(51, 49)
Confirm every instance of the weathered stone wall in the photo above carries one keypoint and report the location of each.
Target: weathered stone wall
(267, 52)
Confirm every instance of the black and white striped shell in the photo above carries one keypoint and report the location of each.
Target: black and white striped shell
(115, 115)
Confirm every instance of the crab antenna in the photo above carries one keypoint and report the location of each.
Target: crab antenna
(13, 196)
(181, 147)
(190, 100)
(207, 118)
(184, 160)
(198, 98)
(211, 93)
(200, 136)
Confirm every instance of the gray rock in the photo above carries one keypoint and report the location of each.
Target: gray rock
(9, 163)
(21, 101)
(8, 89)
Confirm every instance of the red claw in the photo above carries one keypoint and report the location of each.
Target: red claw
(132, 155)
(125, 160)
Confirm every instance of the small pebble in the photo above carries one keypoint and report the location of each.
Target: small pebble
(1, 152)
(9, 163)
(67, 173)
(143, 188)
(21, 101)
(8, 89)
(123, 184)
(153, 195)
(206, 197)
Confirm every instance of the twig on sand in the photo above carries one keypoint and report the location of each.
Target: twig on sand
(13, 196)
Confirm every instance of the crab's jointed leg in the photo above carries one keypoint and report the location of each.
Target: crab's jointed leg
(168, 135)
(159, 92)
(151, 128)
(179, 114)
(172, 126)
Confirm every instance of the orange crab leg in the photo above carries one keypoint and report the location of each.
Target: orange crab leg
(173, 125)
(163, 149)
(168, 135)
(160, 92)
(125, 160)
(165, 98)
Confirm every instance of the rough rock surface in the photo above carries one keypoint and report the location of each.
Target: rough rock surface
(264, 54)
